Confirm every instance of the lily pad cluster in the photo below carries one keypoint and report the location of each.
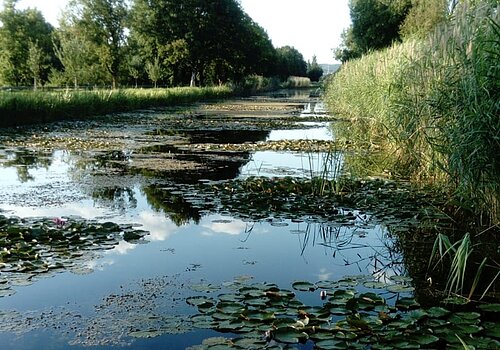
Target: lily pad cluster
(261, 198)
(33, 247)
(283, 145)
(264, 316)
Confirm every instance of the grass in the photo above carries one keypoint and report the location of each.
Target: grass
(459, 255)
(297, 82)
(434, 104)
(29, 107)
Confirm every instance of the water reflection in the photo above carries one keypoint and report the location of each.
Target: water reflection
(199, 228)
(24, 160)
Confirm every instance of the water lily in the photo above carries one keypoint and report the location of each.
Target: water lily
(59, 222)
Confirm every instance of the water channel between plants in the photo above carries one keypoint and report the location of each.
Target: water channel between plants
(152, 229)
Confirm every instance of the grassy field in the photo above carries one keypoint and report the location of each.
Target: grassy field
(434, 103)
(28, 107)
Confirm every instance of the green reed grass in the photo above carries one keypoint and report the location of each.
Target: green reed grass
(459, 256)
(297, 82)
(28, 107)
(435, 104)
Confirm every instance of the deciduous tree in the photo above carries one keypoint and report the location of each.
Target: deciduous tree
(17, 29)
(103, 22)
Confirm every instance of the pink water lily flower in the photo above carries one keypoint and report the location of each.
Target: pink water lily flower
(59, 222)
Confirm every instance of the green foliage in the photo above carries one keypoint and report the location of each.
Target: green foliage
(154, 70)
(423, 17)
(290, 62)
(17, 108)
(35, 62)
(297, 82)
(375, 25)
(314, 70)
(103, 22)
(18, 30)
(434, 102)
(209, 42)
(79, 59)
(459, 254)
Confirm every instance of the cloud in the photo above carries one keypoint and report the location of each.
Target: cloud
(160, 228)
(230, 227)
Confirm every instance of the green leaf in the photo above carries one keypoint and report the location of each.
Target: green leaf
(399, 288)
(152, 333)
(490, 307)
(375, 285)
(289, 335)
(437, 312)
(424, 339)
(406, 303)
(304, 286)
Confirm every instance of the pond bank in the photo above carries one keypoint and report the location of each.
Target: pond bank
(31, 107)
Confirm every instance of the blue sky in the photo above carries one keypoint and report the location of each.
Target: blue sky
(313, 27)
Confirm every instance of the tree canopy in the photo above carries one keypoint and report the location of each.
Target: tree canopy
(167, 42)
(20, 31)
(376, 24)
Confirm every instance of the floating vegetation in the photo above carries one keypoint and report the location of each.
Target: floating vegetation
(31, 248)
(284, 145)
(262, 315)
(260, 198)
(146, 309)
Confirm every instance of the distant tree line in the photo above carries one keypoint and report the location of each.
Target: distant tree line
(112, 42)
(376, 24)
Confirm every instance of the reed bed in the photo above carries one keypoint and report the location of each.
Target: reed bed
(29, 107)
(435, 104)
(297, 82)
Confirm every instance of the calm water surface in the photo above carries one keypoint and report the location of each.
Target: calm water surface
(154, 277)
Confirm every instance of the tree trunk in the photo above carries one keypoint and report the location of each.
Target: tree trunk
(193, 79)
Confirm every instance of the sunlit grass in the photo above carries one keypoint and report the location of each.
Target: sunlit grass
(26, 107)
(434, 105)
(298, 82)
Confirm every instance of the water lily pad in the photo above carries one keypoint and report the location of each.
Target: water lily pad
(289, 335)
(374, 284)
(152, 333)
(406, 303)
(230, 307)
(399, 288)
(437, 312)
(304, 286)
(200, 300)
(490, 307)
(492, 329)
(401, 279)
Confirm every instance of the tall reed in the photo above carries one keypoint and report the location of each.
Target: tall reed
(435, 103)
(18, 108)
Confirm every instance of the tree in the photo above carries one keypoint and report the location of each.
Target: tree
(348, 48)
(35, 62)
(423, 17)
(375, 25)
(154, 70)
(135, 67)
(77, 56)
(314, 70)
(18, 29)
(290, 62)
(205, 41)
(103, 22)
